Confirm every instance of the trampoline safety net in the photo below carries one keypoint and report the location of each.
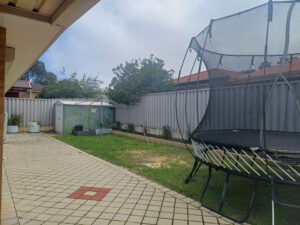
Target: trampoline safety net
(240, 50)
(253, 62)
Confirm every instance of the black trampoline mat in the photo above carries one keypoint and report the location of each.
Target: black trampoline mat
(280, 141)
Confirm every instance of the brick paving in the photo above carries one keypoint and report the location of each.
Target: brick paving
(90, 193)
(53, 183)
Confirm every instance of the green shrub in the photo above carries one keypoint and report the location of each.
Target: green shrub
(37, 122)
(167, 133)
(116, 125)
(14, 120)
(145, 130)
(131, 127)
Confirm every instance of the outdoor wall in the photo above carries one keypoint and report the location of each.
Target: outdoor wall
(239, 107)
(34, 109)
(156, 110)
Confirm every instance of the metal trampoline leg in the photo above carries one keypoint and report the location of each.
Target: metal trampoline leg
(195, 168)
(251, 201)
(224, 193)
(250, 204)
(206, 184)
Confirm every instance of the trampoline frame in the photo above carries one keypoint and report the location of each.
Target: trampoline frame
(231, 165)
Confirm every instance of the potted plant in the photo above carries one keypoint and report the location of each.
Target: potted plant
(34, 127)
(13, 123)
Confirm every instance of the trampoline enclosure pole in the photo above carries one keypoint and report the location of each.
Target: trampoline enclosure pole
(273, 213)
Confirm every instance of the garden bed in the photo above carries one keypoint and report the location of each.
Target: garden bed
(152, 138)
(153, 135)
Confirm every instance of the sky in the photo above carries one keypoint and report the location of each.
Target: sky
(116, 31)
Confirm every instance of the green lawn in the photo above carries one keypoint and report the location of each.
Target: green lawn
(169, 166)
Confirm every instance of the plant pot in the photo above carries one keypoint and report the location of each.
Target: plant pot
(12, 129)
(34, 128)
(32, 123)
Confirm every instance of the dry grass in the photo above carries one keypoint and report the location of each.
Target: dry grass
(149, 159)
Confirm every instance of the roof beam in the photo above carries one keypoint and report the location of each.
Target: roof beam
(70, 10)
(39, 5)
(24, 13)
(60, 10)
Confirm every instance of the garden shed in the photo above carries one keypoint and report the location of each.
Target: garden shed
(97, 117)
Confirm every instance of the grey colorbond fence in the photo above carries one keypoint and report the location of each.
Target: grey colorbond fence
(243, 108)
(34, 109)
(157, 110)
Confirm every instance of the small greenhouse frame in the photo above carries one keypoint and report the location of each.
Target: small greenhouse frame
(95, 117)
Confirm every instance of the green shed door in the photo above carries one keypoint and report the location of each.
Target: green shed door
(107, 117)
(76, 115)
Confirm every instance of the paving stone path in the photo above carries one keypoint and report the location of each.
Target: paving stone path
(51, 183)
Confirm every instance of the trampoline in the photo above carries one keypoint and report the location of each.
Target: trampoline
(251, 126)
(249, 139)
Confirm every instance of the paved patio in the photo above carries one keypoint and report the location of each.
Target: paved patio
(53, 183)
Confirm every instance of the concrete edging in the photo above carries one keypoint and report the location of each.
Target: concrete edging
(42, 128)
(152, 139)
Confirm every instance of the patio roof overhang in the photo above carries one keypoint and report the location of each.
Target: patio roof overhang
(27, 29)
(32, 26)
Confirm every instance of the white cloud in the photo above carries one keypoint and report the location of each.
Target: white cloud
(118, 30)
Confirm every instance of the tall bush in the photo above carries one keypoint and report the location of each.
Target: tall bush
(131, 127)
(167, 133)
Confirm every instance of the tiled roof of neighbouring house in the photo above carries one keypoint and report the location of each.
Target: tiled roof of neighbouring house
(289, 69)
(22, 84)
(202, 76)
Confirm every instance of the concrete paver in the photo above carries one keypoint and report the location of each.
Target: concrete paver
(49, 182)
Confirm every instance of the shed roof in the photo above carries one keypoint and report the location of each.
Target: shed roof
(84, 103)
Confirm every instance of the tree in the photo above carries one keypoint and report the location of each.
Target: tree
(38, 74)
(90, 86)
(86, 87)
(137, 78)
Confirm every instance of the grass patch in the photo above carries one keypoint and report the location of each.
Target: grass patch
(169, 166)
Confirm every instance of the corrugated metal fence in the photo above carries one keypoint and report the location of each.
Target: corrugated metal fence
(34, 109)
(238, 108)
(241, 108)
(157, 110)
